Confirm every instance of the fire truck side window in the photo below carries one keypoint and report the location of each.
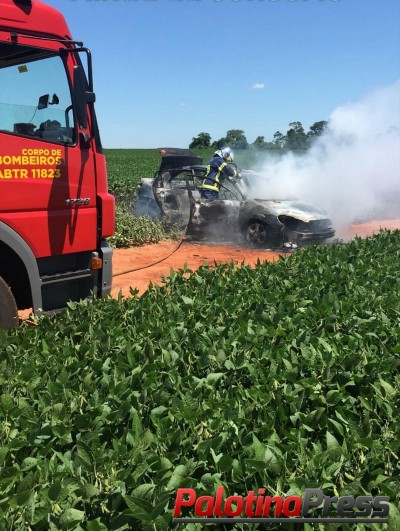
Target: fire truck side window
(35, 97)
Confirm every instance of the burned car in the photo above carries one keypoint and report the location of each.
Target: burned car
(237, 215)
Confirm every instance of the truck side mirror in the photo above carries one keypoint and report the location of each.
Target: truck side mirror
(82, 96)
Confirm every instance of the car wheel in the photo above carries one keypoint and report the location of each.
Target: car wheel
(256, 233)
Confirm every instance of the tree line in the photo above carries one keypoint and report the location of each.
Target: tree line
(295, 139)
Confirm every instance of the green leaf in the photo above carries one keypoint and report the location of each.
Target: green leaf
(225, 463)
(394, 518)
(213, 377)
(179, 475)
(70, 517)
(333, 445)
(139, 508)
(271, 462)
(389, 390)
(96, 525)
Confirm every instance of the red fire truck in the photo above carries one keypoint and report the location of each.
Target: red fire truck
(55, 209)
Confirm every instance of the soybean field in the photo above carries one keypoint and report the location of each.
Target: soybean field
(285, 376)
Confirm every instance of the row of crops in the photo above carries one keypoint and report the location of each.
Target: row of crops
(285, 376)
(125, 168)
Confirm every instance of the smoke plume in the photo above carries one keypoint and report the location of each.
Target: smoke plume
(353, 170)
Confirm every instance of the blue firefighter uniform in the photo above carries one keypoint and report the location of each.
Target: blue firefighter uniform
(217, 171)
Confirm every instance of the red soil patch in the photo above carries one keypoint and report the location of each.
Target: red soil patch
(192, 254)
(372, 227)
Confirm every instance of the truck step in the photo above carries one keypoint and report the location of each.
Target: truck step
(63, 277)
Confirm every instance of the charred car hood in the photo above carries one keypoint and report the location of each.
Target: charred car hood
(296, 209)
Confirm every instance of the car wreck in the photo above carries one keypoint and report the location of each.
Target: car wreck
(237, 215)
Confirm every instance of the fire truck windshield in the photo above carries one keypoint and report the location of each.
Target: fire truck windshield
(35, 97)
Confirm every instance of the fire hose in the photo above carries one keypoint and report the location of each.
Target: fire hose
(154, 263)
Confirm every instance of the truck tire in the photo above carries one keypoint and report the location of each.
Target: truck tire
(8, 307)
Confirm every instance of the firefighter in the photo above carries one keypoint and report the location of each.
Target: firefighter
(217, 171)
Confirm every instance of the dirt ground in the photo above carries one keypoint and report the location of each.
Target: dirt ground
(191, 254)
(156, 260)
(167, 255)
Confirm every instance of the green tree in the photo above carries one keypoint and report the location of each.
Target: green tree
(317, 129)
(279, 139)
(296, 137)
(259, 141)
(218, 144)
(236, 139)
(202, 140)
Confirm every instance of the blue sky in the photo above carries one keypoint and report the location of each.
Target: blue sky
(166, 70)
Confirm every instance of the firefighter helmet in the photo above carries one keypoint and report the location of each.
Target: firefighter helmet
(226, 153)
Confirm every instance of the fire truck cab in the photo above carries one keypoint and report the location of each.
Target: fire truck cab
(55, 209)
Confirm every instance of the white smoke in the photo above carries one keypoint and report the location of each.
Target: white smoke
(353, 170)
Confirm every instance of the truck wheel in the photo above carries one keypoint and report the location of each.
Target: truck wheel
(8, 307)
(256, 233)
